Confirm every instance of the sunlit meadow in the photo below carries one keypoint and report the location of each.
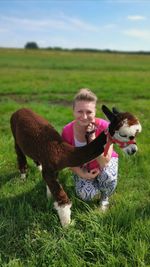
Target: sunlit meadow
(30, 231)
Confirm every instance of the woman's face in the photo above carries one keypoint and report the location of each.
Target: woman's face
(84, 112)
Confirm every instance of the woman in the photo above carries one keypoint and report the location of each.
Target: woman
(100, 175)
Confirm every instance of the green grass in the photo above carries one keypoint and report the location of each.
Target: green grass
(30, 231)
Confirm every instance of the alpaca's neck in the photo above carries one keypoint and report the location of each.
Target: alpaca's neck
(80, 155)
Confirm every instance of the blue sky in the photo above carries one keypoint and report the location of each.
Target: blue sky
(101, 24)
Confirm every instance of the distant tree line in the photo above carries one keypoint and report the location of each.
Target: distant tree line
(34, 45)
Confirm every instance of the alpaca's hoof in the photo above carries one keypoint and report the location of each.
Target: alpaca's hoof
(65, 222)
(64, 213)
(23, 176)
(39, 167)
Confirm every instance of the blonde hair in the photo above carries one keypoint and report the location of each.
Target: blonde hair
(85, 94)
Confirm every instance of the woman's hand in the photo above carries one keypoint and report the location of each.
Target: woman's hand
(89, 129)
(92, 174)
(83, 173)
(103, 161)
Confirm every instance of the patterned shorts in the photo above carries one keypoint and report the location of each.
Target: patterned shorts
(104, 184)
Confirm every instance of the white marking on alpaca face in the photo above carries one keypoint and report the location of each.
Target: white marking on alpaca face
(64, 213)
(130, 149)
(127, 132)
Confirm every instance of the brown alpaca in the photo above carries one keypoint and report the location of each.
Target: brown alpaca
(36, 138)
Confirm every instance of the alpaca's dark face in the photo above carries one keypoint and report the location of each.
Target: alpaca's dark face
(123, 128)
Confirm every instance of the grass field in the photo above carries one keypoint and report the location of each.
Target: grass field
(30, 231)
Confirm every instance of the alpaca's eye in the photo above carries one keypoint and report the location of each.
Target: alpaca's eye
(123, 135)
(131, 137)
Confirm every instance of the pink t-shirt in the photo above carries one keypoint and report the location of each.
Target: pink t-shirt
(68, 136)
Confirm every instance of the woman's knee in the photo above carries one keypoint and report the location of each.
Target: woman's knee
(86, 194)
(109, 174)
(109, 177)
(109, 187)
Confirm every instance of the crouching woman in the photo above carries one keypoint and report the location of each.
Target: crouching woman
(98, 177)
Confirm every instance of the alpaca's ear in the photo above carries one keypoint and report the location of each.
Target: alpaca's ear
(115, 111)
(110, 115)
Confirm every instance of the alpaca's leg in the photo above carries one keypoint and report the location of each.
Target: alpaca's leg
(39, 166)
(64, 213)
(48, 192)
(62, 203)
(22, 162)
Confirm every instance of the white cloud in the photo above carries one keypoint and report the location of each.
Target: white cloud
(143, 34)
(136, 17)
(80, 24)
(32, 24)
(63, 23)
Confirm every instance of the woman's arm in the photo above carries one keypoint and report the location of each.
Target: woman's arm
(104, 160)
